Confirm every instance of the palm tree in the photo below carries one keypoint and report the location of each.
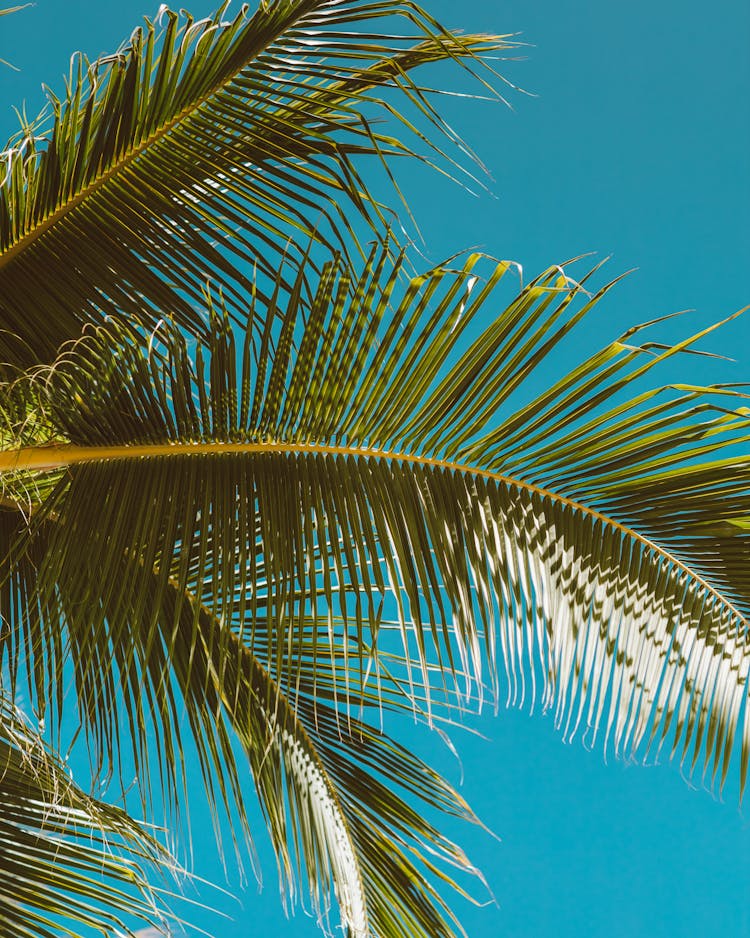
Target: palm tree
(263, 483)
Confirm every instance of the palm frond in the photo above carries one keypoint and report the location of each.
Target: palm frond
(365, 457)
(67, 862)
(329, 785)
(313, 763)
(208, 150)
(316, 766)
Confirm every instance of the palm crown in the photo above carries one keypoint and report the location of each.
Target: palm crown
(262, 481)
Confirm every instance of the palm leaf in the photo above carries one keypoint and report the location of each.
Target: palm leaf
(235, 523)
(67, 862)
(339, 776)
(355, 835)
(207, 150)
(315, 767)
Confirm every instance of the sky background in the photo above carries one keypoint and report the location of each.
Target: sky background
(637, 144)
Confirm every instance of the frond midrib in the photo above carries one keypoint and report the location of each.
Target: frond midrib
(122, 162)
(128, 157)
(261, 675)
(34, 233)
(48, 458)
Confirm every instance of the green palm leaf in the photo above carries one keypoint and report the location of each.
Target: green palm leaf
(209, 150)
(355, 835)
(67, 862)
(252, 530)
(346, 819)
(315, 766)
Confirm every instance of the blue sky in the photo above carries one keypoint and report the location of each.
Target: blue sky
(637, 144)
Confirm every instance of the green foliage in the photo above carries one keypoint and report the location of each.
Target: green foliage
(208, 150)
(335, 488)
(59, 865)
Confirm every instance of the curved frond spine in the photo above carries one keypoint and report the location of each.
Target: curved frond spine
(212, 150)
(463, 549)
(298, 494)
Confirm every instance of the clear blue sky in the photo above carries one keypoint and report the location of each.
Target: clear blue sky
(637, 145)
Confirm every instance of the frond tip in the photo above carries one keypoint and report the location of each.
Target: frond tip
(67, 862)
